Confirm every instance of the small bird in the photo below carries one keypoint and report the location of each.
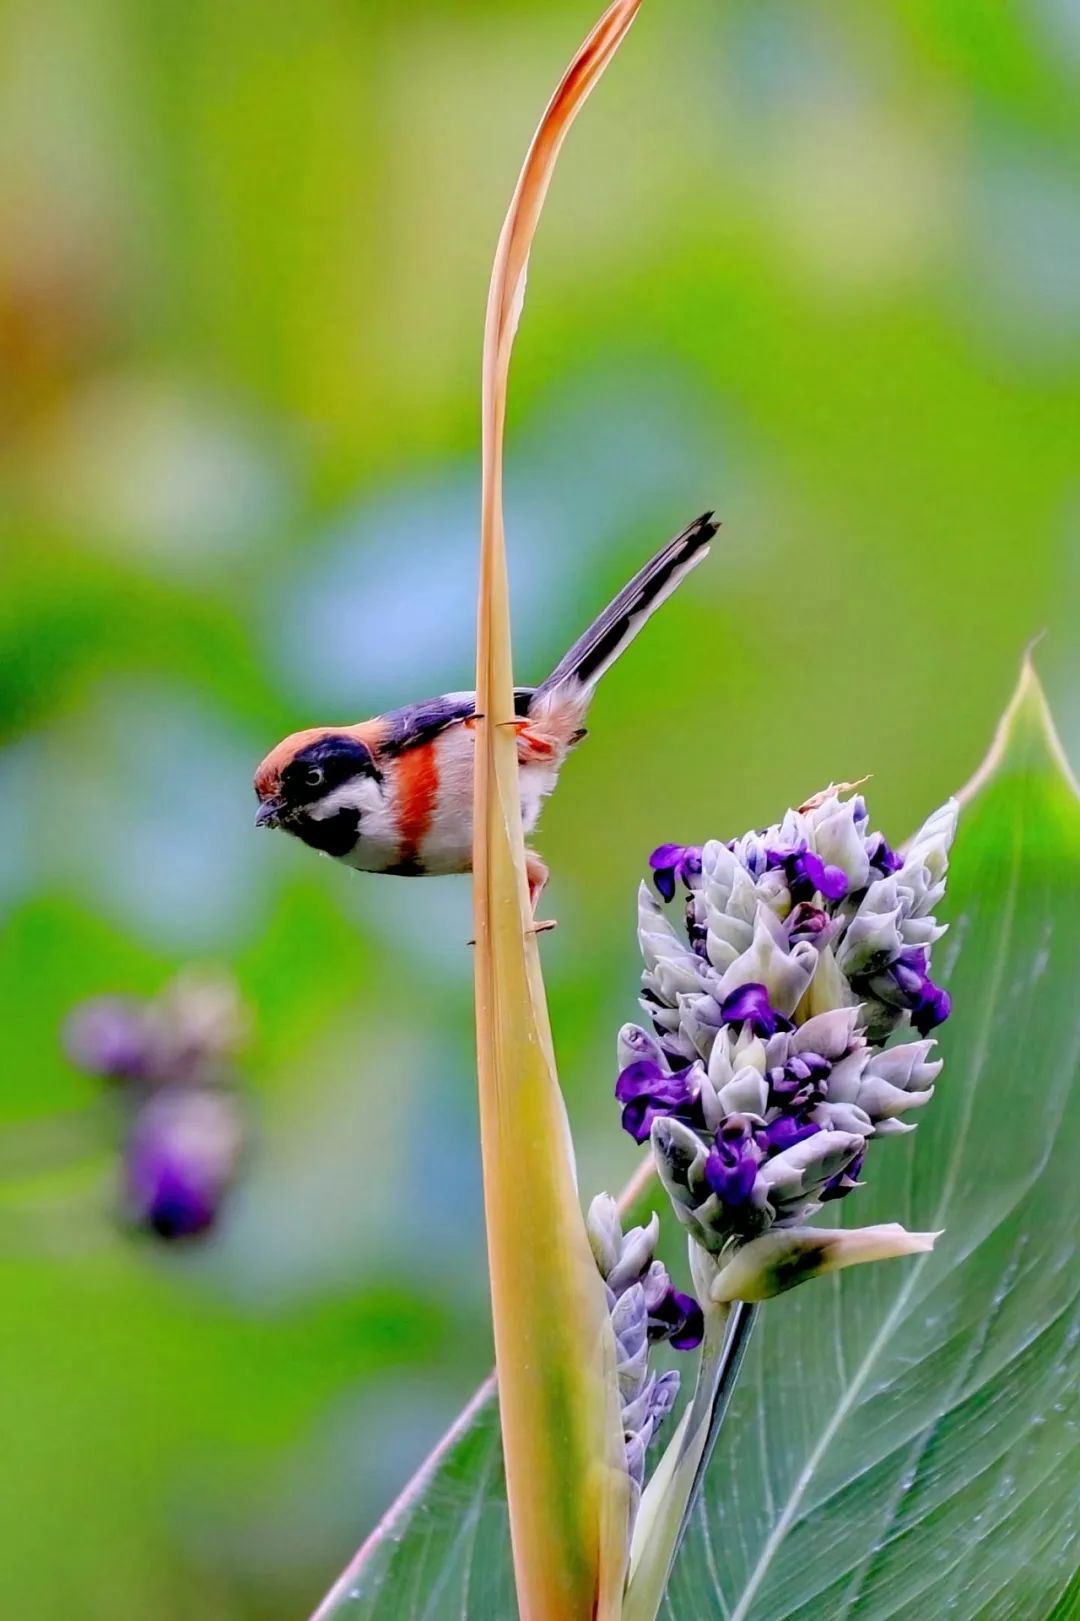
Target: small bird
(395, 794)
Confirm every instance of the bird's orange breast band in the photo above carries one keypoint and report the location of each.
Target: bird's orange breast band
(416, 787)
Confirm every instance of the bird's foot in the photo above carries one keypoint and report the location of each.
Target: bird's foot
(544, 927)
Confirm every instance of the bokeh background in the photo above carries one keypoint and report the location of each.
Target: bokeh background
(814, 264)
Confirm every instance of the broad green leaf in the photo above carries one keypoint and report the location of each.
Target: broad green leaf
(904, 1441)
(443, 1550)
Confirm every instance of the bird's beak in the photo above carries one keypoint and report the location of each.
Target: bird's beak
(268, 813)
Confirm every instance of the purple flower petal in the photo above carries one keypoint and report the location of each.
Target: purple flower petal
(932, 1009)
(678, 1319)
(800, 1081)
(909, 972)
(779, 1081)
(882, 858)
(670, 862)
(807, 922)
(807, 873)
(749, 1004)
(647, 1094)
(638, 1078)
(829, 881)
(842, 1183)
(731, 1168)
(690, 866)
(664, 879)
(170, 1203)
(787, 1130)
(928, 1003)
(731, 1175)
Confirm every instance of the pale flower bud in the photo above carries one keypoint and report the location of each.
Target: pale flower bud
(798, 1172)
(785, 970)
(788, 1256)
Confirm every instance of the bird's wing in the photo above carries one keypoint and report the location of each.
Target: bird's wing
(407, 728)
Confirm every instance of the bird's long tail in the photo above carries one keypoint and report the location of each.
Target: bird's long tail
(608, 636)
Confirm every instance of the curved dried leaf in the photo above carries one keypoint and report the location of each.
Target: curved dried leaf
(562, 1438)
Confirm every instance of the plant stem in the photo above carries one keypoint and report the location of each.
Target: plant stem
(737, 1338)
(672, 1492)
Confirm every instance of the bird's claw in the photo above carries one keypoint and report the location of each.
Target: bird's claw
(544, 927)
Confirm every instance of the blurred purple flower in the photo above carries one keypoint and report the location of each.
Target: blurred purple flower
(172, 1061)
(109, 1037)
(180, 1160)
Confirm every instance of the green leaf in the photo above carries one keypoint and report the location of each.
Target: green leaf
(904, 1440)
(443, 1550)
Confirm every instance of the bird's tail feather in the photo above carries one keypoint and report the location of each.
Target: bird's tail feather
(608, 636)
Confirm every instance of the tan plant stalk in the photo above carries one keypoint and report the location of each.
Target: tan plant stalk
(554, 1350)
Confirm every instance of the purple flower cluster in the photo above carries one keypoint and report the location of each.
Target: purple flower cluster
(767, 1074)
(171, 1060)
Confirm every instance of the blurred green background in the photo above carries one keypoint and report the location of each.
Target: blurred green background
(813, 264)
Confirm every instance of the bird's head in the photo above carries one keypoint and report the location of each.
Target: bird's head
(316, 784)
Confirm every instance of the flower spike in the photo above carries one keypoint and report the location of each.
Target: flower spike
(766, 1077)
(645, 1308)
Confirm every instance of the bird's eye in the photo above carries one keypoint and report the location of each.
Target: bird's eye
(313, 776)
